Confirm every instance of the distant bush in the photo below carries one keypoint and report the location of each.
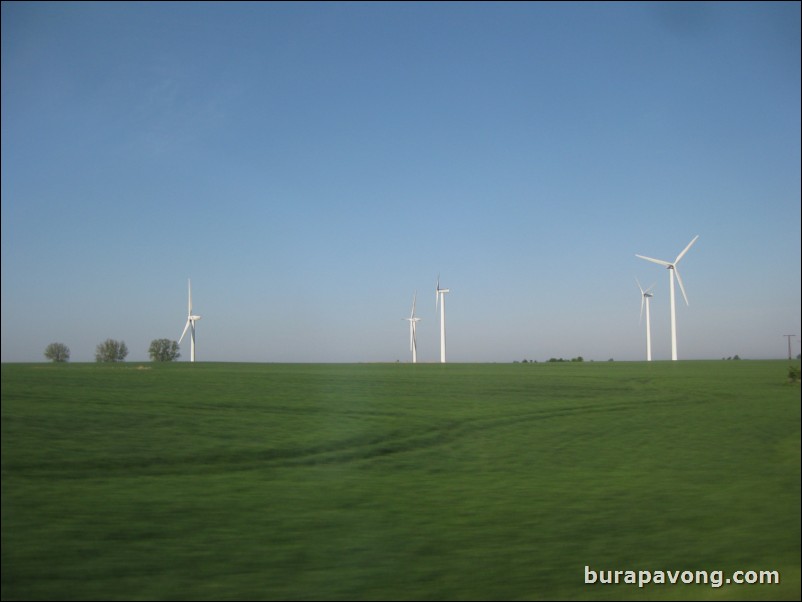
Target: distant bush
(57, 352)
(793, 374)
(111, 351)
(164, 350)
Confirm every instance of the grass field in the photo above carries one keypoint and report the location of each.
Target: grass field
(396, 481)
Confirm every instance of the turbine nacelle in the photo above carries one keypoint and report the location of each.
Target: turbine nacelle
(672, 265)
(438, 291)
(645, 295)
(646, 292)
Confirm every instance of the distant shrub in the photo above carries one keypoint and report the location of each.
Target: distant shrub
(57, 352)
(111, 351)
(164, 350)
(793, 374)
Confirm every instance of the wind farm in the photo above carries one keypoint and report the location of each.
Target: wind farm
(352, 480)
(673, 272)
(280, 177)
(360, 479)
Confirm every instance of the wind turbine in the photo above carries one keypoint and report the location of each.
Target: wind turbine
(440, 297)
(645, 297)
(671, 266)
(413, 340)
(191, 319)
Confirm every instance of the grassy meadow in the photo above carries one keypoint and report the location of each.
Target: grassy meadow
(396, 481)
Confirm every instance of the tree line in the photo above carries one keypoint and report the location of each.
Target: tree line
(110, 350)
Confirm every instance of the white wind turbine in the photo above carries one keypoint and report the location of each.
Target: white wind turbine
(672, 271)
(441, 292)
(191, 319)
(645, 297)
(413, 339)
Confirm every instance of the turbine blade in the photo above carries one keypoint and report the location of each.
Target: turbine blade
(189, 284)
(639, 286)
(681, 286)
(642, 301)
(658, 261)
(184, 333)
(685, 250)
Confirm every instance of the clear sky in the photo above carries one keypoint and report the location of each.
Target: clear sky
(310, 166)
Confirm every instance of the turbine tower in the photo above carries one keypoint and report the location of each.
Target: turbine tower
(671, 266)
(413, 339)
(191, 319)
(645, 297)
(440, 297)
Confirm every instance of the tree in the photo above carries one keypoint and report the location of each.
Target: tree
(57, 352)
(111, 351)
(163, 350)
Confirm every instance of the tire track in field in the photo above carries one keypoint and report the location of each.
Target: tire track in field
(452, 431)
(356, 449)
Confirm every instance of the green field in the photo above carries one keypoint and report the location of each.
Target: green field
(396, 481)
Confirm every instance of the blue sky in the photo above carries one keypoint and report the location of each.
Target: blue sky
(310, 166)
